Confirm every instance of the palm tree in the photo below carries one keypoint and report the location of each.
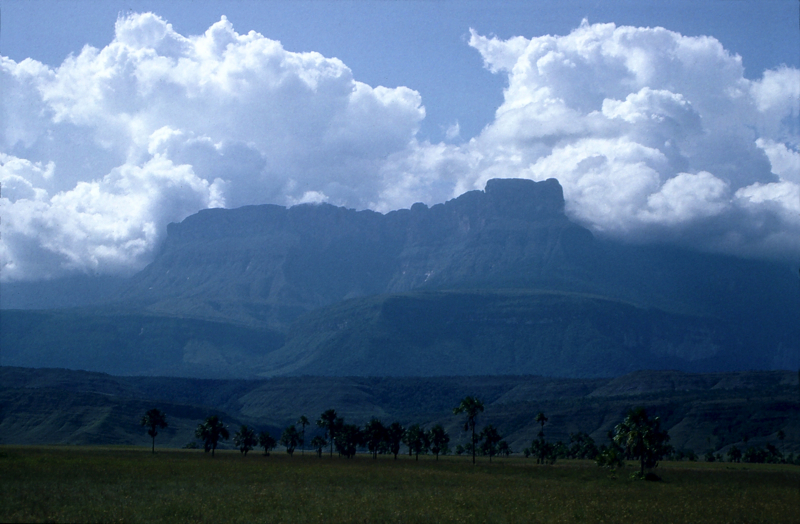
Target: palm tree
(374, 436)
(318, 443)
(781, 436)
(303, 421)
(642, 438)
(417, 440)
(154, 419)
(491, 437)
(210, 432)
(290, 438)
(438, 439)
(348, 439)
(266, 441)
(394, 436)
(503, 448)
(734, 454)
(470, 406)
(582, 446)
(245, 439)
(541, 419)
(329, 422)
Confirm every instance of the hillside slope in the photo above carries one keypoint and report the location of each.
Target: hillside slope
(132, 343)
(506, 332)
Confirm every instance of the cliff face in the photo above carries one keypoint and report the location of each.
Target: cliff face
(269, 263)
(492, 282)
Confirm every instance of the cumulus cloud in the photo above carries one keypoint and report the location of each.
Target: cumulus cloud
(654, 136)
(99, 154)
(104, 225)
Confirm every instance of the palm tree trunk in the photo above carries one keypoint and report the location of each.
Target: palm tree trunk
(642, 451)
(473, 444)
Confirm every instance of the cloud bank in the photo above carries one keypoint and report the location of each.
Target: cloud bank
(654, 136)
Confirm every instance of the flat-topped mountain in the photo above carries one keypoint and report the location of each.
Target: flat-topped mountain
(498, 281)
(269, 263)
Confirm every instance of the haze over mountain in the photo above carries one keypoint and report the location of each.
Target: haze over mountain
(497, 281)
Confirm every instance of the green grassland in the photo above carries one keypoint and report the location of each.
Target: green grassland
(90, 484)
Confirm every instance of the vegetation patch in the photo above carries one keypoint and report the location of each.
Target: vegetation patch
(69, 484)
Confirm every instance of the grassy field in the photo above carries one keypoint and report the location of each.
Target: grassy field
(92, 484)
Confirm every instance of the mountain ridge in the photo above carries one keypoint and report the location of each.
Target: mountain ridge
(271, 264)
(269, 277)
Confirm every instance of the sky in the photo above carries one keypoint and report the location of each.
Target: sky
(668, 121)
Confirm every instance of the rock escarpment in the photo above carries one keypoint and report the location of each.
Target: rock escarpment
(270, 264)
(498, 281)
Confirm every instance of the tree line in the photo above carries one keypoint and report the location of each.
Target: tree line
(638, 437)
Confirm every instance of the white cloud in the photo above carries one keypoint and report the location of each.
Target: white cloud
(106, 225)
(653, 135)
(310, 197)
(684, 198)
(777, 94)
(101, 152)
(785, 162)
(453, 131)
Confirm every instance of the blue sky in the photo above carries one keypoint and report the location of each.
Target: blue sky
(669, 121)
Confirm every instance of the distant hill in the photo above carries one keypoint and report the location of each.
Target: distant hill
(495, 281)
(422, 333)
(75, 291)
(50, 406)
(507, 332)
(132, 343)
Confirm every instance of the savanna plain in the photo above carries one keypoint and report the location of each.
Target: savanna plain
(127, 484)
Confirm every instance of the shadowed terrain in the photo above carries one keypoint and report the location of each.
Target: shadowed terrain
(51, 406)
